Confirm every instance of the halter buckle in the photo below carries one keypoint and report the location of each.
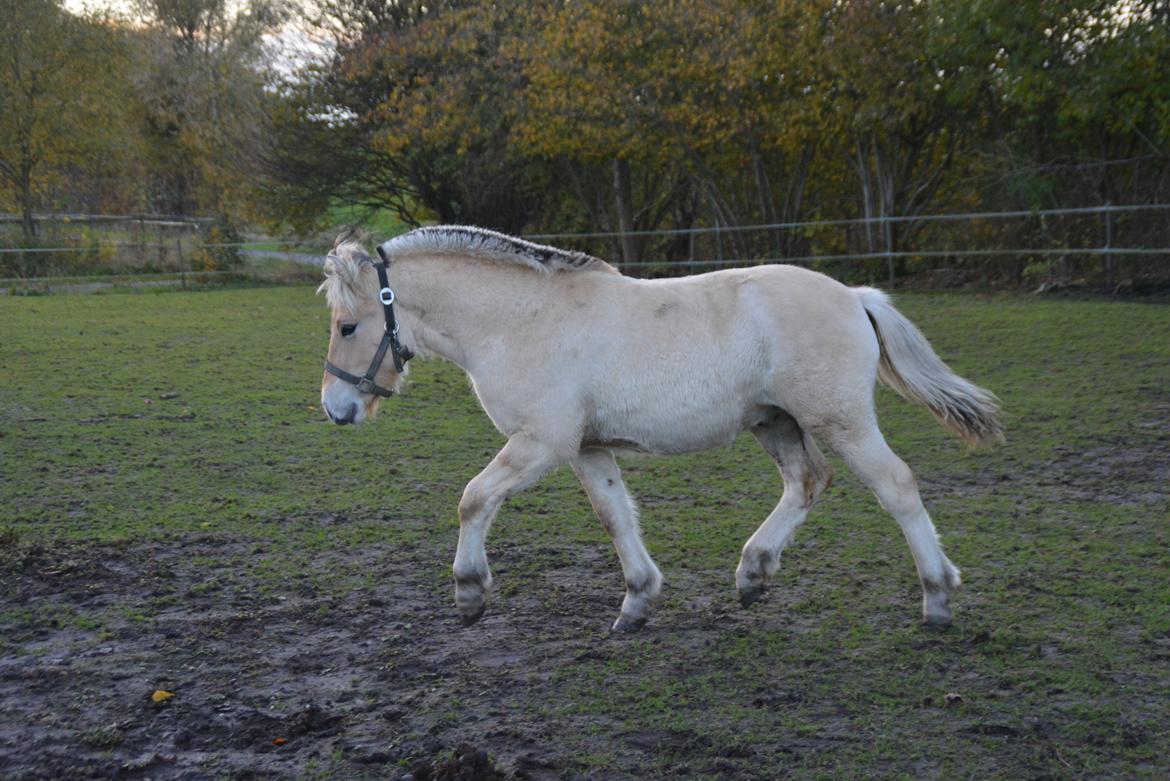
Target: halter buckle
(386, 296)
(365, 385)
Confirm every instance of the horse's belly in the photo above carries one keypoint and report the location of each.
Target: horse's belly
(665, 430)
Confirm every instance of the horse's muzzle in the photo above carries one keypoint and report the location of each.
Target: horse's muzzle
(342, 421)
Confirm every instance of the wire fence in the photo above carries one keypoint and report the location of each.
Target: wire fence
(1098, 246)
(921, 218)
(82, 251)
(1104, 246)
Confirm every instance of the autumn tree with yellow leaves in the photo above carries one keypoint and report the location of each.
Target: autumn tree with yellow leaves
(61, 105)
(610, 116)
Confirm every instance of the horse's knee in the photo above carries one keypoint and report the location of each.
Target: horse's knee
(472, 504)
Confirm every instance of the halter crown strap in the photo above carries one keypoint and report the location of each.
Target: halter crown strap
(386, 295)
(400, 354)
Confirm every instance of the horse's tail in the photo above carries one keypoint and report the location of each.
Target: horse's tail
(910, 366)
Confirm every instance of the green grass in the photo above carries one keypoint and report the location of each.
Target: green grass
(194, 416)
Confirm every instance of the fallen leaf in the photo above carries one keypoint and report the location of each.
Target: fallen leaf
(161, 695)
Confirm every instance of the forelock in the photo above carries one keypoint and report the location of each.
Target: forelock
(346, 279)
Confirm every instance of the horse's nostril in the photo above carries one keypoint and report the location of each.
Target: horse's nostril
(349, 416)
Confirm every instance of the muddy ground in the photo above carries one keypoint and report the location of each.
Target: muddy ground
(383, 683)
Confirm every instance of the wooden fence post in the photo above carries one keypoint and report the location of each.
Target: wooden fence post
(1109, 272)
(182, 270)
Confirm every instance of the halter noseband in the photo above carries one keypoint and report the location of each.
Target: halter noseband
(389, 341)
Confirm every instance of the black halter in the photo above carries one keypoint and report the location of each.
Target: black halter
(389, 341)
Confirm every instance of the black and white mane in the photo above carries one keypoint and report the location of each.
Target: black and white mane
(490, 245)
(345, 284)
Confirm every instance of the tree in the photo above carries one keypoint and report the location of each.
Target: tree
(57, 97)
(1081, 93)
(893, 113)
(412, 112)
(591, 101)
(202, 85)
(749, 111)
(626, 117)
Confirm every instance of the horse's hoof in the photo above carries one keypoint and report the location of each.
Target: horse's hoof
(470, 618)
(748, 596)
(936, 609)
(937, 620)
(627, 623)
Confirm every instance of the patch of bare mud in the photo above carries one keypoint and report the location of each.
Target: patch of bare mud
(376, 682)
(1117, 473)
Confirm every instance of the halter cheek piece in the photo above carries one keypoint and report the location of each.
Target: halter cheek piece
(389, 341)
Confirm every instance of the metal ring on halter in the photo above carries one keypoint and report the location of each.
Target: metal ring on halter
(386, 326)
(382, 296)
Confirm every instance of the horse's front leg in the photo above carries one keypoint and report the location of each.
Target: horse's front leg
(518, 465)
(602, 480)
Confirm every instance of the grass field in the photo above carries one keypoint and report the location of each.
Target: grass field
(179, 516)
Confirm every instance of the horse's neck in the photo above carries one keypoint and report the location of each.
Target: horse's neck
(459, 309)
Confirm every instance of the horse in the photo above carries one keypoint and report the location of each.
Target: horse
(576, 363)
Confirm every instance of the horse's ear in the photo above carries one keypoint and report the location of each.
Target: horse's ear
(352, 234)
(341, 268)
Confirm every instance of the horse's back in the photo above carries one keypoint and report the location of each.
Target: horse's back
(786, 313)
(684, 364)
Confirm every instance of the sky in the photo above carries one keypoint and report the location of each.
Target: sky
(120, 7)
(292, 46)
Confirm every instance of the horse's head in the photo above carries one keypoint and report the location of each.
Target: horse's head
(362, 364)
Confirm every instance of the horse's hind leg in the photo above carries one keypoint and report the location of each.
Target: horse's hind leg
(806, 474)
(867, 454)
(602, 480)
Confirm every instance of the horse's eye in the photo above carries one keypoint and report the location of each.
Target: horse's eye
(348, 329)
